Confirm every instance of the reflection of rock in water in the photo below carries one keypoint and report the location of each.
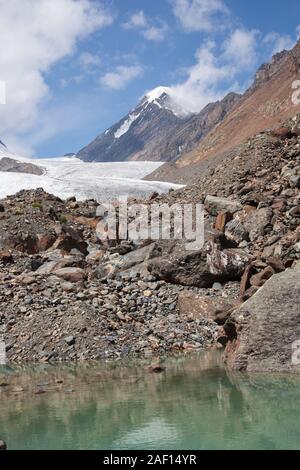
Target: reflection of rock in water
(195, 403)
(3, 445)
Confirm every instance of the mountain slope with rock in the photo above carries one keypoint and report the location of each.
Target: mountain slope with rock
(158, 129)
(69, 295)
(264, 105)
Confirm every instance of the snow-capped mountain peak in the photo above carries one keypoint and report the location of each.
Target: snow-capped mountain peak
(165, 98)
(159, 128)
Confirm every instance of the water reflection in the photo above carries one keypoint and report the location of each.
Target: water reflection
(194, 404)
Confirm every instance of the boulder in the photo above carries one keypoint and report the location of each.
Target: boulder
(222, 219)
(200, 268)
(188, 268)
(257, 222)
(70, 239)
(45, 241)
(260, 278)
(195, 306)
(227, 265)
(70, 274)
(6, 257)
(265, 330)
(236, 232)
(133, 264)
(3, 445)
(282, 133)
(214, 205)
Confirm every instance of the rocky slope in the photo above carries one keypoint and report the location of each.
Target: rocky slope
(66, 295)
(156, 130)
(267, 103)
(14, 166)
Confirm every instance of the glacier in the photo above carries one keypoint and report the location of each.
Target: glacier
(68, 176)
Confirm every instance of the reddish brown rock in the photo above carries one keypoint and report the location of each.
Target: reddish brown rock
(222, 219)
(6, 257)
(71, 274)
(45, 241)
(282, 133)
(260, 278)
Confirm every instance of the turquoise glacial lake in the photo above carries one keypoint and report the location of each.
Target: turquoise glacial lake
(195, 403)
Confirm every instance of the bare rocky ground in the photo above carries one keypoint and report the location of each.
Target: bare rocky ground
(65, 296)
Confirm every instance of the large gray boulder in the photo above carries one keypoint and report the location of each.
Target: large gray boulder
(200, 268)
(216, 205)
(265, 330)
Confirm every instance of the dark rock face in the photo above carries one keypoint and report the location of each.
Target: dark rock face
(156, 131)
(199, 268)
(267, 326)
(11, 165)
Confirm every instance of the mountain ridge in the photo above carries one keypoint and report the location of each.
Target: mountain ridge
(158, 129)
(265, 105)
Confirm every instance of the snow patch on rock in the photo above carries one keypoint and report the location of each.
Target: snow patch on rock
(126, 125)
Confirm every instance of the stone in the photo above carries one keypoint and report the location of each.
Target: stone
(70, 274)
(227, 265)
(195, 306)
(260, 278)
(245, 281)
(70, 239)
(156, 368)
(148, 293)
(6, 257)
(188, 268)
(222, 219)
(236, 232)
(45, 241)
(200, 268)
(282, 133)
(215, 205)
(295, 181)
(257, 222)
(266, 328)
(3, 445)
(70, 340)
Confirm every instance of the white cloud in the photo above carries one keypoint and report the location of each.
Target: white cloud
(215, 73)
(137, 20)
(200, 15)
(150, 31)
(205, 80)
(77, 79)
(240, 47)
(156, 33)
(88, 60)
(121, 76)
(35, 35)
(278, 42)
(298, 31)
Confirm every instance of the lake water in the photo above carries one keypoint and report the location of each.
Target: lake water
(194, 404)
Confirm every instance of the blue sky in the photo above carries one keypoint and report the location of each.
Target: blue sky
(74, 70)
